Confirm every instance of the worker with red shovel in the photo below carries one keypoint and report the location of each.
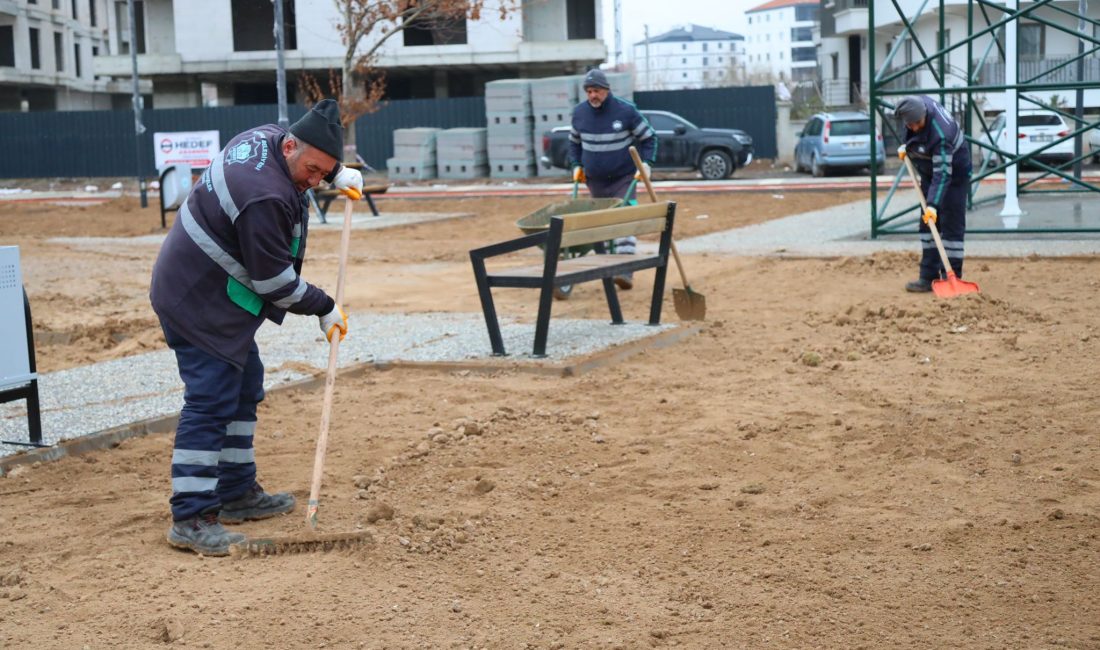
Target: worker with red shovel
(232, 260)
(936, 146)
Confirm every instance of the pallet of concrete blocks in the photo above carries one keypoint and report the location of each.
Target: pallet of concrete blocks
(552, 101)
(510, 128)
(462, 153)
(414, 154)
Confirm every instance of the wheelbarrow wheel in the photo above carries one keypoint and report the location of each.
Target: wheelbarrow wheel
(563, 292)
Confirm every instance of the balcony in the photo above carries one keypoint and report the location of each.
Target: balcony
(993, 73)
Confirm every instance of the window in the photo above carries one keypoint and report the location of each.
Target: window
(59, 51)
(780, 55)
(850, 127)
(683, 46)
(814, 127)
(685, 75)
(768, 17)
(1032, 41)
(7, 46)
(252, 25)
(1040, 119)
(661, 122)
(704, 47)
(719, 59)
(76, 59)
(768, 56)
(802, 34)
(436, 31)
(91, 12)
(36, 58)
(768, 37)
(750, 20)
(704, 60)
(580, 20)
(806, 12)
(56, 4)
(683, 60)
(801, 54)
(75, 15)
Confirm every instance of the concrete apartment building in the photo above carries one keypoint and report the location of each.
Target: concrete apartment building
(844, 55)
(221, 52)
(46, 53)
(780, 44)
(689, 57)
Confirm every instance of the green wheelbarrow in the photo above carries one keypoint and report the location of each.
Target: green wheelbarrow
(539, 221)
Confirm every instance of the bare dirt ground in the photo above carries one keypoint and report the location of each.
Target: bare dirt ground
(829, 463)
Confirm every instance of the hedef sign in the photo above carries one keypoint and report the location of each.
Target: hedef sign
(191, 148)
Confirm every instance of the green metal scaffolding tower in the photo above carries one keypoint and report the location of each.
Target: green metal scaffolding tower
(962, 89)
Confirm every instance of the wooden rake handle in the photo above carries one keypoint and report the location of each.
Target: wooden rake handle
(330, 376)
(931, 224)
(653, 198)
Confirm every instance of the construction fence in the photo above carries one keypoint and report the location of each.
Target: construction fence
(101, 143)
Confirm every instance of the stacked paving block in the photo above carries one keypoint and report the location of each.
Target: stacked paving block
(462, 153)
(552, 101)
(414, 154)
(510, 127)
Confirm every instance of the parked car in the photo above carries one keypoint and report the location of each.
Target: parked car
(832, 141)
(716, 153)
(1034, 129)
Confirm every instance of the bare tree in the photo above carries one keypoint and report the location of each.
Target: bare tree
(365, 26)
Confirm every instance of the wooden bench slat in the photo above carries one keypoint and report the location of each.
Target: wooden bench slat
(571, 265)
(596, 218)
(614, 231)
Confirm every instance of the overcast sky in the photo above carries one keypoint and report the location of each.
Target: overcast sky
(664, 15)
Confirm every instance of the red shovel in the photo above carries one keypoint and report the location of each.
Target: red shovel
(952, 286)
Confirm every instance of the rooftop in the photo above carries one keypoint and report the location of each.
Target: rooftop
(691, 33)
(780, 4)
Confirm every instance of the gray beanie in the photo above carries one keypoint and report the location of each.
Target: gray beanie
(597, 79)
(321, 128)
(910, 109)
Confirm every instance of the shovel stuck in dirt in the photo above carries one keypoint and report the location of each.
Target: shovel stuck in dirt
(952, 286)
(311, 542)
(690, 305)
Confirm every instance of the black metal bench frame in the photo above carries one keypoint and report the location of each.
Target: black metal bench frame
(551, 241)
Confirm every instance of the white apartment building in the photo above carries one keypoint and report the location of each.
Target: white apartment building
(46, 53)
(844, 55)
(221, 52)
(780, 44)
(689, 57)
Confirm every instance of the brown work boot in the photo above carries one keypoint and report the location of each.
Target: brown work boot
(625, 282)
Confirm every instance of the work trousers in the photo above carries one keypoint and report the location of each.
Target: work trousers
(952, 226)
(618, 188)
(213, 461)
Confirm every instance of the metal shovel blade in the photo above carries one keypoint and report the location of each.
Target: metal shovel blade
(689, 305)
(953, 286)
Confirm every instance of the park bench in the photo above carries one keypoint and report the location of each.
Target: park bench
(595, 227)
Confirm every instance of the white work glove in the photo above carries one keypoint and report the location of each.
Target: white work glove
(638, 174)
(335, 320)
(901, 152)
(350, 182)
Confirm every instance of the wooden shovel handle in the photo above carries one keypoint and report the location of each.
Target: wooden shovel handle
(931, 224)
(653, 198)
(330, 376)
